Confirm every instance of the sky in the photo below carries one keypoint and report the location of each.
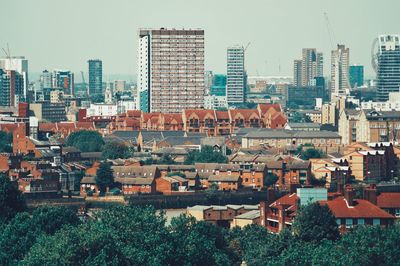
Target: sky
(54, 34)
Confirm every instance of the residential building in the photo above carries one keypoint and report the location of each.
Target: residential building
(64, 79)
(388, 66)
(297, 74)
(356, 76)
(236, 75)
(328, 114)
(393, 103)
(215, 102)
(95, 76)
(312, 66)
(340, 85)
(11, 88)
(20, 65)
(304, 96)
(171, 70)
(208, 81)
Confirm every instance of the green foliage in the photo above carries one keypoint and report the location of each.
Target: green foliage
(315, 223)
(104, 176)
(198, 243)
(114, 150)
(166, 159)
(309, 153)
(270, 179)
(6, 140)
(86, 141)
(296, 117)
(206, 155)
(97, 98)
(11, 199)
(22, 232)
(318, 182)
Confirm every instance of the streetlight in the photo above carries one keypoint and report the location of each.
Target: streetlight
(392, 171)
(368, 173)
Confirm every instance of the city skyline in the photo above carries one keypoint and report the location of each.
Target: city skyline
(114, 39)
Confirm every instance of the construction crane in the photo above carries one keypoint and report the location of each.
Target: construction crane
(85, 85)
(8, 56)
(247, 46)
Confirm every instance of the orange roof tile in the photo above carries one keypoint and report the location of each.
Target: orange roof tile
(389, 200)
(246, 113)
(362, 209)
(201, 113)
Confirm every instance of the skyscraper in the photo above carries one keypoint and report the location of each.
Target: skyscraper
(340, 71)
(236, 75)
(20, 65)
(388, 67)
(356, 75)
(11, 86)
(297, 67)
(64, 79)
(171, 70)
(95, 76)
(310, 66)
(218, 87)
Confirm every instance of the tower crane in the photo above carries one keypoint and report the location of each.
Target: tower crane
(84, 84)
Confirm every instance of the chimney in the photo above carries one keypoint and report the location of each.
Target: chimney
(369, 194)
(349, 195)
(263, 213)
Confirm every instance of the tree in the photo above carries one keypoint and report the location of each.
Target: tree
(315, 223)
(6, 140)
(114, 150)
(104, 176)
(198, 242)
(97, 98)
(206, 155)
(22, 232)
(308, 153)
(166, 159)
(86, 141)
(270, 179)
(177, 174)
(11, 199)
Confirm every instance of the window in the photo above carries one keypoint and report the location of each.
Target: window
(397, 212)
(376, 221)
(338, 221)
(360, 221)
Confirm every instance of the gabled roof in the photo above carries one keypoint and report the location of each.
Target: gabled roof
(264, 107)
(250, 215)
(246, 113)
(287, 200)
(223, 178)
(388, 200)
(361, 209)
(200, 113)
(223, 115)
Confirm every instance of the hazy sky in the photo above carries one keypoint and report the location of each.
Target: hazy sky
(65, 34)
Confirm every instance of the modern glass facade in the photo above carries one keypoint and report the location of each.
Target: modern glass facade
(218, 87)
(95, 76)
(356, 75)
(388, 70)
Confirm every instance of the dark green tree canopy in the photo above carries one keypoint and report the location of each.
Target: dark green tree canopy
(11, 199)
(86, 141)
(270, 179)
(314, 223)
(104, 176)
(114, 150)
(6, 140)
(206, 155)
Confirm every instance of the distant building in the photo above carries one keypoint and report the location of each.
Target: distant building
(208, 81)
(340, 71)
(297, 73)
(20, 65)
(11, 88)
(64, 79)
(46, 111)
(119, 86)
(356, 76)
(304, 96)
(388, 68)
(218, 87)
(95, 76)
(171, 70)
(215, 102)
(236, 75)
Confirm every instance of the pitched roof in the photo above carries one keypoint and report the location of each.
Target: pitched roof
(389, 200)
(200, 113)
(288, 199)
(134, 181)
(246, 113)
(362, 209)
(223, 178)
(250, 215)
(88, 180)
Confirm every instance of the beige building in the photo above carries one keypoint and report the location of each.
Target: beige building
(171, 70)
(340, 85)
(369, 126)
(328, 114)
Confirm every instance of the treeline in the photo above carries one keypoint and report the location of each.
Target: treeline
(125, 235)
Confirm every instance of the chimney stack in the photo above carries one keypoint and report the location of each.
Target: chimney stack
(349, 195)
(369, 194)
